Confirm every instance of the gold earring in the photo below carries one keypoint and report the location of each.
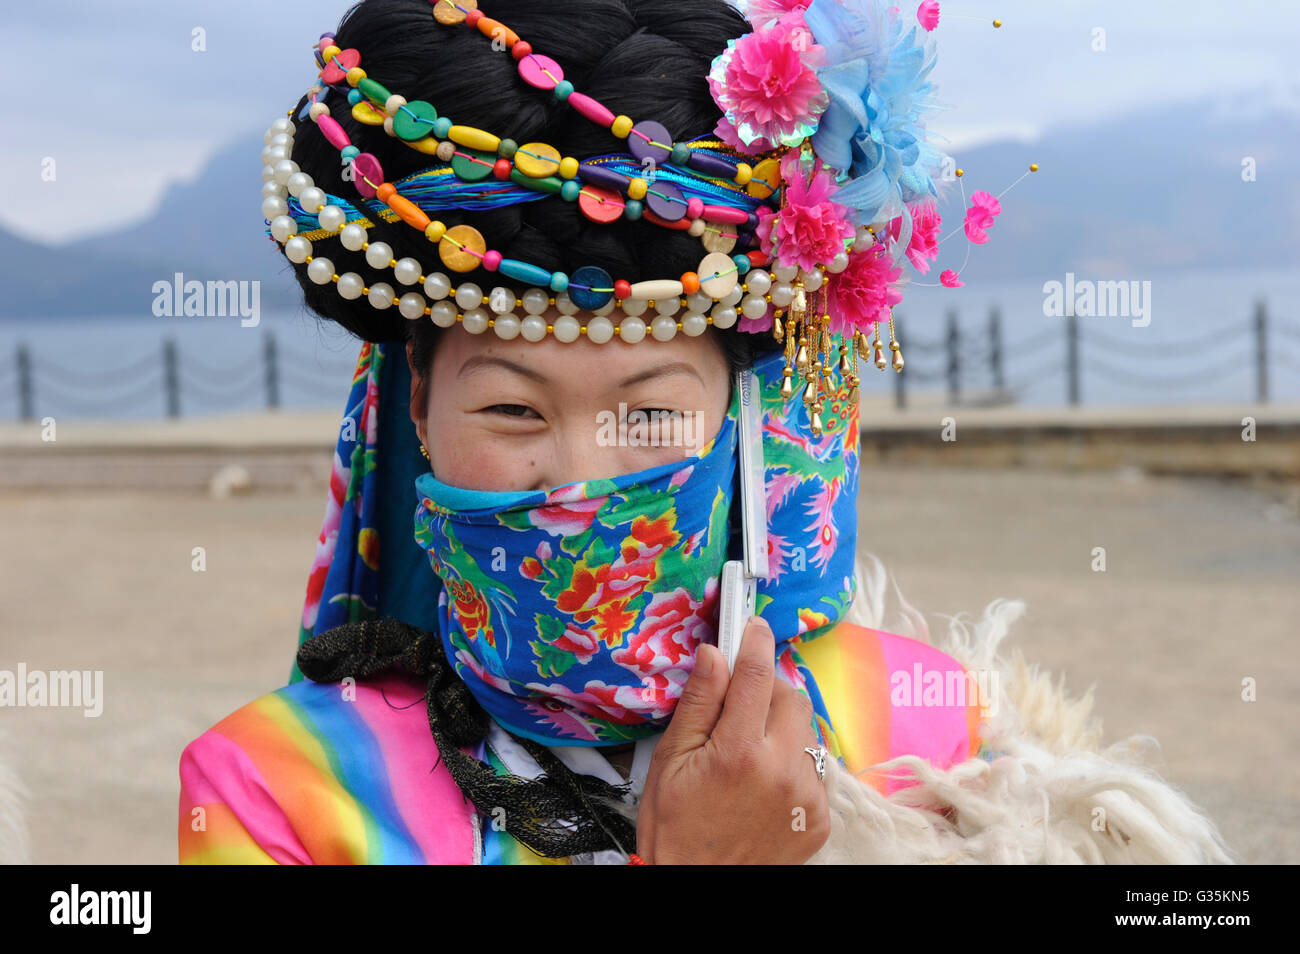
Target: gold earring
(425, 451)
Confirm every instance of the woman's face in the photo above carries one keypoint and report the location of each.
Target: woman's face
(521, 415)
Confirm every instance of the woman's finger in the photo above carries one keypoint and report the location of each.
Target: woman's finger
(744, 714)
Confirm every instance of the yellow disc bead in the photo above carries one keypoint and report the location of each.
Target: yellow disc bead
(435, 231)
(636, 188)
(472, 138)
(744, 172)
(355, 75)
(330, 52)
(537, 159)
(621, 126)
(568, 167)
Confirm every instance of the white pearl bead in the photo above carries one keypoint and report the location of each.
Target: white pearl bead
(697, 227)
(600, 329)
(273, 205)
(311, 199)
(782, 294)
(268, 172)
(353, 237)
(566, 328)
(631, 329)
(321, 271)
(443, 314)
(564, 304)
(536, 301)
(635, 306)
(753, 307)
(668, 306)
(274, 154)
(331, 218)
(351, 285)
(694, 325)
(663, 328)
(299, 181)
(393, 104)
(382, 294)
(698, 301)
(507, 327)
(297, 249)
(605, 309)
(411, 305)
(733, 297)
(838, 263)
(281, 139)
(785, 273)
(283, 227)
(268, 135)
(501, 300)
(469, 295)
(273, 188)
(724, 316)
(437, 285)
(812, 280)
(281, 124)
(533, 328)
(407, 271)
(758, 281)
(284, 169)
(379, 254)
(475, 321)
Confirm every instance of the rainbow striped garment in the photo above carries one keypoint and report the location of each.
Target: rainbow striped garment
(331, 774)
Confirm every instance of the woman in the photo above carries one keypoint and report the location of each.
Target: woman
(579, 497)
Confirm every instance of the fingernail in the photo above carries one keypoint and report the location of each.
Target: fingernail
(703, 660)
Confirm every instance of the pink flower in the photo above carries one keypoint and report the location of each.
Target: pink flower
(809, 228)
(578, 641)
(862, 294)
(927, 14)
(726, 131)
(923, 247)
(983, 209)
(766, 85)
(673, 627)
(567, 514)
(762, 12)
(949, 279)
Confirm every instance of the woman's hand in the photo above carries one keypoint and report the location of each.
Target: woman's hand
(730, 782)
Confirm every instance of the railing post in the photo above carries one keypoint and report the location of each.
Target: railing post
(1072, 356)
(996, 371)
(272, 369)
(1261, 352)
(954, 358)
(171, 378)
(26, 396)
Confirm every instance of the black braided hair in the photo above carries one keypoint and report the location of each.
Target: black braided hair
(559, 814)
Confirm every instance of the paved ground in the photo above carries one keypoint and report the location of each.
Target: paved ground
(1199, 593)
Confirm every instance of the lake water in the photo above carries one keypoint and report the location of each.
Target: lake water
(1193, 341)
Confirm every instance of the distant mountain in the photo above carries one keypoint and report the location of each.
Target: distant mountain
(1160, 189)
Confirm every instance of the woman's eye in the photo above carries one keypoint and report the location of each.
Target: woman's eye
(512, 410)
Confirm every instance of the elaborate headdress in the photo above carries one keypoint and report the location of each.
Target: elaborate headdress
(817, 187)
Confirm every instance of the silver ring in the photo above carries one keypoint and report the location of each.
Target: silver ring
(819, 759)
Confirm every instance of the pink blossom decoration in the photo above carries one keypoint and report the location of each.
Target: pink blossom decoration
(863, 293)
(762, 12)
(927, 14)
(949, 279)
(809, 228)
(983, 209)
(923, 247)
(766, 85)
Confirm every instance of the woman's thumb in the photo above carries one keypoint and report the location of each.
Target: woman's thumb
(700, 704)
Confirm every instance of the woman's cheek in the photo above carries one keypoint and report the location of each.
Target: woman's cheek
(482, 461)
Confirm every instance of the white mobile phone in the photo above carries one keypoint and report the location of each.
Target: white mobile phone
(736, 606)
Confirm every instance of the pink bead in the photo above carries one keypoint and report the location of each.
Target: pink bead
(694, 208)
(725, 213)
(333, 131)
(365, 170)
(534, 68)
(590, 108)
(491, 260)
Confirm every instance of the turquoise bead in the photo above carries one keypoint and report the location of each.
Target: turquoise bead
(524, 272)
(569, 191)
(350, 152)
(441, 126)
(354, 96)
(679, 154)
(559, 282)
(632, 209)
(742, 263)
(562, 90)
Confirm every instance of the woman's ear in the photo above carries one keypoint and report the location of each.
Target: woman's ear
(419, 396)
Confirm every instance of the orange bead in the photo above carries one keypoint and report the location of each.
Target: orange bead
(408, 211)
(384, 190)
(690, 283)
(489, 27)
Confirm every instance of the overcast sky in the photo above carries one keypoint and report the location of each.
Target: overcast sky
(113, 92)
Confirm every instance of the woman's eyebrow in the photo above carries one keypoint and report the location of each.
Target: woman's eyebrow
(482, 361)
(673, 367)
